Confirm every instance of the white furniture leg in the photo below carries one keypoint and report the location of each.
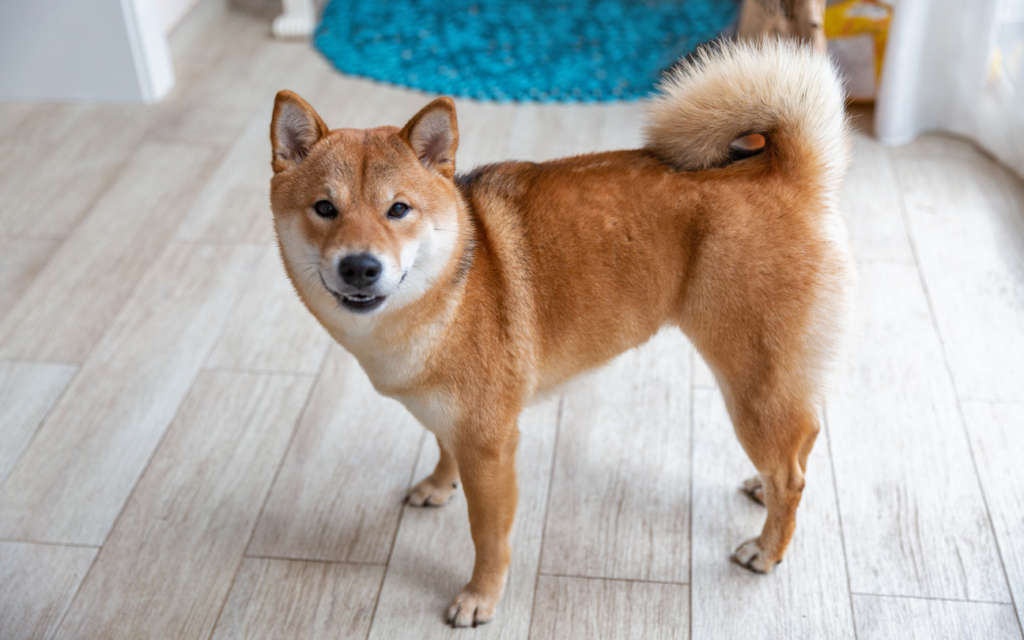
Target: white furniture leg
(297, 20)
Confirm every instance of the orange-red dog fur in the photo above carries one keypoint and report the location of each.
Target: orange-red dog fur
(499, 285)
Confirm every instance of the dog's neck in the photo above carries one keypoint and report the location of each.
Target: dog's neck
(397, 350)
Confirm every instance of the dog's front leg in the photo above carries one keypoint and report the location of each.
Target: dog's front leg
(486, 458)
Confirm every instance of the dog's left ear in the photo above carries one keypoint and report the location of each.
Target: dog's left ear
(433, 134)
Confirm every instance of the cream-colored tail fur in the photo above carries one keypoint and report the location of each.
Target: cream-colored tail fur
(728, 89)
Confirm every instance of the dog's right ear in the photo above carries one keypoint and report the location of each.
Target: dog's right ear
(294, 129)
(433, 134)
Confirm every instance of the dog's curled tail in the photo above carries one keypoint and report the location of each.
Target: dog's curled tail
(730, 89)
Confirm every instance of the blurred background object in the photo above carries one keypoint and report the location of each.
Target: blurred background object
(959, 67)
(297, 19)
(803, 19)
(857, 31)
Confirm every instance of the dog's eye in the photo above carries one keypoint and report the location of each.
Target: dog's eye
(325, 209)
(398, 210)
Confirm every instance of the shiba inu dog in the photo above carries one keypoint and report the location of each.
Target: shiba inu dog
(466, 296)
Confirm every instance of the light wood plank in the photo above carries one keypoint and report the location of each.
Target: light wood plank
(908, 494)
(548, 131)
(12, 114)
(339, 492)
(21, 259)
(27, 391)
(269, 328)
(804, 597)
(167, 566)
(73, 300)
(59, 161)
(585, 608)
(234, 204)
(48, 122)
(914, 619)
(72, 481)
(936, 144)
(477, 143)
(295, 599)
(37, 583)
(433, 554)
(965, 216)
(352, 102)
(621, 482)
(996, 437)
(871, 204)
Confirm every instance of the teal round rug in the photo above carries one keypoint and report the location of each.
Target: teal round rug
(523, 51)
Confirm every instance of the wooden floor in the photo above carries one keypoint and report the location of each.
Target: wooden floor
(184, 454)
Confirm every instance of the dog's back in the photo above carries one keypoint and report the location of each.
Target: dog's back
(617, 244)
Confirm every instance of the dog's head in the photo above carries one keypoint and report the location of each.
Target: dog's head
(367, 219)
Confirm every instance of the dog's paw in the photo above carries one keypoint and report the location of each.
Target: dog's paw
(754, 489)
(750, 556)
(428, 493)
(471, 609)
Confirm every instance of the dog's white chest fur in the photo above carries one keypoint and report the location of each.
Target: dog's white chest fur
(437, 411)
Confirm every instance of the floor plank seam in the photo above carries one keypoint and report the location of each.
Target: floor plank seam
(956, 397)
(693, 429)
(224, 243)
(839, 519)
(357, 563)
(270, 486)
(394, 537)
(261, 372)
(547, 505)
(51, 237)
(36, 361)
(610, 579)
(42, 421)
(903, 596)
(884, 262)
(44, 543)
(998, 401)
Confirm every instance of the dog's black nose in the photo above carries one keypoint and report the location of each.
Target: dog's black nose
(360, 270)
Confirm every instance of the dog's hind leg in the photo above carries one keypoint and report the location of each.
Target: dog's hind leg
(778, 437)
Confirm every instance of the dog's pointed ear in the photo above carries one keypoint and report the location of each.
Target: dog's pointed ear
(433, 134)
(294, 129)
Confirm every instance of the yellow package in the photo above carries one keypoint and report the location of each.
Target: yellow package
(856, 31)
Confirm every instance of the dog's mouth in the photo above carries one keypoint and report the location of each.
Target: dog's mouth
(360, 302)
(356, 302)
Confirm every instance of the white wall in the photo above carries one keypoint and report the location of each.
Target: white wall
(168, 13)
(114, 50)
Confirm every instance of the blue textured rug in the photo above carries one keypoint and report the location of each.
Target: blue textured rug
(583, 51)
